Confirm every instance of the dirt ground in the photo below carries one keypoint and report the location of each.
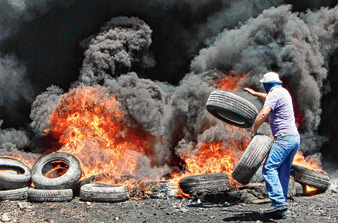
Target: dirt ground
(311, 209)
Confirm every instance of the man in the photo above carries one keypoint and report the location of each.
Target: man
(276, 170)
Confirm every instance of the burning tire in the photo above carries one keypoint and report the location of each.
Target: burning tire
(104, 193)
(8, 180)
(252, 158)
(217, 182)
(56, 171)
(231, 108)
(38, 195)
(13, 195)
(310, 177)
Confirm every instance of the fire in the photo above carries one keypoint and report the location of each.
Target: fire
(308, 163)
(89, 122)
(310, 190)
(230, 82)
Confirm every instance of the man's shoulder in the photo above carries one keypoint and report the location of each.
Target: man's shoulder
(278, 91)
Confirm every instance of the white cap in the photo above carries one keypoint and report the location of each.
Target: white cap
(270, 77)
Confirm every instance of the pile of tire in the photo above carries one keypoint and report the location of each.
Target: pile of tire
(16, 177)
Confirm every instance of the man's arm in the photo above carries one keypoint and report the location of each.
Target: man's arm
(261, 117)
(259, 95)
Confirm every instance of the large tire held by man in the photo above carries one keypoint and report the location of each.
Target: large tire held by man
(252, 158)
(314, 178)
(66, 181)
(231, 108)
(8, 180)
(104, 193)
(216, 182)
(41, 195)
(14, 194)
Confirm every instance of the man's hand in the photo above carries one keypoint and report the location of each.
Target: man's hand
(259, 95)
(250, 91)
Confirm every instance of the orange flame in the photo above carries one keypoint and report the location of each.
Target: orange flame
(308, 163)
(90, 124)
(310, 190)
(230, 82)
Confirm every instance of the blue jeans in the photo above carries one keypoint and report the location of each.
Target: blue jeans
(276, 169)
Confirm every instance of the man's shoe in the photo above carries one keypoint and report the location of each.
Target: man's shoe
(276, 209)
(277, 212)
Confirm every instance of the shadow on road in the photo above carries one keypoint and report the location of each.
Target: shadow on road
(248, 216)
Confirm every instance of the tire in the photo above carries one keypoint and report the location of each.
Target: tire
(299, 189)
(14, 194)
(258, 176)
(216, 182)
(252, 158)
(68, 180)
(41, 195)
(104, 193)
(8, 180)
(310, 177)
(231, 109)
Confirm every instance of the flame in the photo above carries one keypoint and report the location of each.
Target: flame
(310, 190)
(89, 122)
(230, 82)
(308, 163)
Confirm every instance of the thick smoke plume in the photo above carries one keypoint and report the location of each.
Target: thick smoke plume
(122, 42)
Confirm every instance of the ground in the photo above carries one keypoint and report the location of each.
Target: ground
(313, 209)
